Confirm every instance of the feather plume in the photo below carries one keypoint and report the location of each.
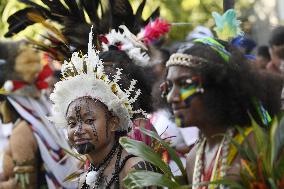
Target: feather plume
(227, 25)
(39, 19)
(154, 30)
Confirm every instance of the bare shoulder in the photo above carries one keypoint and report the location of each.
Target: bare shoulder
(137, 163)
(130, 164)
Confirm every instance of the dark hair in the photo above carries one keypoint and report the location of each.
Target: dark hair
(231, 87)
(119, 59)
(277, 36)
(263, 51)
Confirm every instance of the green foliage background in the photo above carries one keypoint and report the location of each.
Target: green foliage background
(194, 12)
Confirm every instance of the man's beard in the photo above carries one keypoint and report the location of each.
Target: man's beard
(85, 148)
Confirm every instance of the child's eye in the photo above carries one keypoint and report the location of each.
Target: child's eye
(89, 121)
(71, 124)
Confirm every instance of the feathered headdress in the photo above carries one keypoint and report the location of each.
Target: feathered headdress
(76, 18)
(135, 46)
(227, 25)
(85, 76)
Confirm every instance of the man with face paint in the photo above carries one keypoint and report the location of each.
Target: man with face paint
(96, 112)
(213, 87)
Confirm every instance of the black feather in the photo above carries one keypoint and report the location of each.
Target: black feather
(140, 9)
(91, 7)
(19, 21)
(122, 13)
(75, 10)
(56, 7)
(153, 16)
(47, 13)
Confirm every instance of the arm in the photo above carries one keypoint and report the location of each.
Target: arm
(23, 148)
(137, 163)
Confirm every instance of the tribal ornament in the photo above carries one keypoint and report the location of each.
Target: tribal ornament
(128, 42)
(84, 76)
(227, 25)
(179, 59)
(135, 45)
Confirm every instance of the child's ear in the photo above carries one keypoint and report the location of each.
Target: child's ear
(114, 123)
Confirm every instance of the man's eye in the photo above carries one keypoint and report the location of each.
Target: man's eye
(89, 121)
(186, 83)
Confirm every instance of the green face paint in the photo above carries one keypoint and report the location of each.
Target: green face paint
(188, 93)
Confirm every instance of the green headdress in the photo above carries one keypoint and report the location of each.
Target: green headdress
(227, 25)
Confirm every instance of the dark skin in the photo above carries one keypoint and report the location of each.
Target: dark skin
(194, 113)
(92, 126)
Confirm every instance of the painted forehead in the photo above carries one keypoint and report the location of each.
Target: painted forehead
(179, 72)
(84, 104)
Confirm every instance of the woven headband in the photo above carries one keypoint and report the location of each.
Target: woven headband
(179, 59)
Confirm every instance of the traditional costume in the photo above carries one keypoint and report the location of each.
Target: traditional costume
(87, 71)
(35, 156)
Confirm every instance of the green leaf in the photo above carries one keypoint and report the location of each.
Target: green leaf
(140, 179)
(263, 145)
(73, 176)
(260, 137)
(140, 149)
(170, 150)
(278, 169)
(246, 151)
(227, 182)
(277, 139)
(74, 154)
(184, 187)
(272, 183)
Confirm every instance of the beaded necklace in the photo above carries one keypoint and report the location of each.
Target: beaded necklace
(216, 171)
(103, 165)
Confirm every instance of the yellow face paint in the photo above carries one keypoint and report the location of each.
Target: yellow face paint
(187, 94)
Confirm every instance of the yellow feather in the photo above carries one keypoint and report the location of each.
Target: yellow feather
(39, 19)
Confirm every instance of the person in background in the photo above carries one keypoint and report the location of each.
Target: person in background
(276, 50)
(262, 57)
(34, 156)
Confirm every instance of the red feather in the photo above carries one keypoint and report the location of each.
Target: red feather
(154, 30)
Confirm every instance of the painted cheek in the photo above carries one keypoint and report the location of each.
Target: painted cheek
(172, 95)
(188, 94)
(70, 135)
(95, 132)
